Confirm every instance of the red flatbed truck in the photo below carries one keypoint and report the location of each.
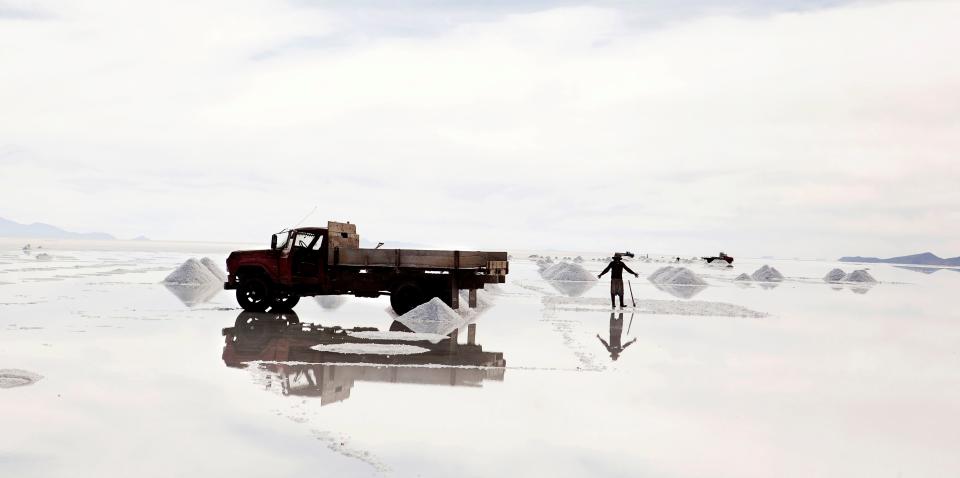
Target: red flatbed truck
(329, 261)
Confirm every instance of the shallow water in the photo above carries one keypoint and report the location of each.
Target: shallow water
(135, 378)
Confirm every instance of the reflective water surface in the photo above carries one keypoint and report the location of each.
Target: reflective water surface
(106, 372)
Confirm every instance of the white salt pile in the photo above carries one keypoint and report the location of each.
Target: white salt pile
(566, 271)
(400, 336)
(675, 276)
(372, 349)
(859, 276)
(543, 263)
(191, 272)
(835, 275)
(743, 277)
(43, 256)
(767, 274)
(433, 317)
(214, 269)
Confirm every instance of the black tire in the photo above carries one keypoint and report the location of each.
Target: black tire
(251, 320)
(284, 301)
(406, 297)
(254, 293)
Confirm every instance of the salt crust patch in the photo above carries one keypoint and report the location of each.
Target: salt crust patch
(652, 306)
(404, 336)
(371, 349)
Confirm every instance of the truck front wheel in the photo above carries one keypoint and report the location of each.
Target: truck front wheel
(254, 293)
(284, 301)
(406, 297)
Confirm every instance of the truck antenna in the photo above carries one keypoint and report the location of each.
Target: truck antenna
(305, 217)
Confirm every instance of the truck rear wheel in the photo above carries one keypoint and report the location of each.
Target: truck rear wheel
(254, 293)
(406, 297)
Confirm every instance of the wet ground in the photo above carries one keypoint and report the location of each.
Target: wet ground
(106, 372)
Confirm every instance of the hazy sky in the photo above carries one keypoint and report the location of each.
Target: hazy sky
(810, 129)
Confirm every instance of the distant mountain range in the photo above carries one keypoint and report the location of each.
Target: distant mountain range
(925, 259)
(38, 230)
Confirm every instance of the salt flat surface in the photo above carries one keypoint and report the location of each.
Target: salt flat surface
(835, 379)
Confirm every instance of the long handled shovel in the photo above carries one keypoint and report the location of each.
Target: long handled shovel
(631, 295)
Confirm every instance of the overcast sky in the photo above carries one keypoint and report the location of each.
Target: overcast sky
(811, 129)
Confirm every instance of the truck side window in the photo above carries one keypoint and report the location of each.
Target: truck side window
(304, 240)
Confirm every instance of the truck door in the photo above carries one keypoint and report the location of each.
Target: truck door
(305, 256)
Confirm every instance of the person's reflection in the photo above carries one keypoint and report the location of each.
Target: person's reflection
(616, 331)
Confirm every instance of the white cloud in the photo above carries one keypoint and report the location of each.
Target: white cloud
(822, 132)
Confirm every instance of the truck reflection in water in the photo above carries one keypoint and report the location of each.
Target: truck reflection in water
(277, 349)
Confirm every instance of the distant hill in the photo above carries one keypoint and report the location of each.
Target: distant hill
(924, 259)
(38, 230)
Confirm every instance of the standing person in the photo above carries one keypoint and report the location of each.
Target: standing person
(616, 268)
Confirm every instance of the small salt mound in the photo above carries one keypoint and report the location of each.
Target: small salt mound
(330, 302)
(191, 272)
(743, 277)
(371, 349)
(767, 274)
(214, 269)
(43, 256)
(675, 276)
(859, 276)
(566, 271)
(835, 275)
(433, 317)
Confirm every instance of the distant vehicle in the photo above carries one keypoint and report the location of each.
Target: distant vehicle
(329, 261)
(721, 257)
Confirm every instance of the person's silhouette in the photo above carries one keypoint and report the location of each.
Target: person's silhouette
(616, 268)
(616, 330)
